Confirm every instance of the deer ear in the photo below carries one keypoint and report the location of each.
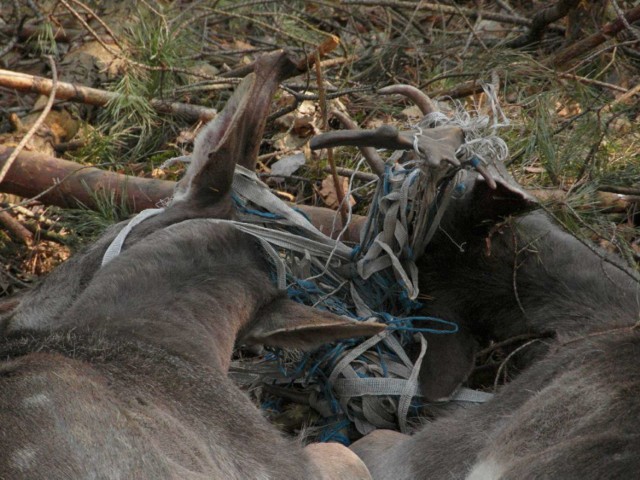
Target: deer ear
(213, 160)
(284, 323)
(234, 136)
(448, 362)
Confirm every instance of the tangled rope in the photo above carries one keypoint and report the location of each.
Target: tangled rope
(372, 384)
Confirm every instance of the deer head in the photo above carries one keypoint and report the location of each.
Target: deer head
(148, 337)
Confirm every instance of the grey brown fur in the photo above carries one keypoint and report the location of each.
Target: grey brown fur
(574, 412)
(121, 371)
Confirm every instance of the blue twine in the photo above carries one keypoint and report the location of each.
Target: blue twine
(282, 368)
(242, 206)
(408, 305)
(405, 324)
(273, 404)
(383, 364)
(385, 179)
(332, 433)
(382, 292)
(304, 214)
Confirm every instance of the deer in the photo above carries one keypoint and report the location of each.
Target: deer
(118, 369)
(500, 269)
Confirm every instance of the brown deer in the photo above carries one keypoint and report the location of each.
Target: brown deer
(120, 371)
(574, 411)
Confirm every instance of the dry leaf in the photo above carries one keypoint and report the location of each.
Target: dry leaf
(288, 165)
(568, 109)
(412, 113)
(328, 192)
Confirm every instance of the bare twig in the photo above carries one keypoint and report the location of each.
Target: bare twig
(344, 213)
(628, 94)
(505, 6)
(620, 190)
(29, 30)
(347, 172)
(591, 81)
(15, 30)
(503, 365)
(627, 25)
(100, 21)
(7, 48)
(463, 90)
(512, 340)
(330, 44)
(121, 56)
(94, 96)
(334, 93)
(34, 128)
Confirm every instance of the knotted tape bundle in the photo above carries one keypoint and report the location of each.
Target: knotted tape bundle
(372, 383)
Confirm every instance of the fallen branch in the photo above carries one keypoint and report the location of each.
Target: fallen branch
(565, 56)
(71, 185)
(465, 89)
(608, 201)
(324, 111)
(326, 47)
(94, 96)
(59, 33)
(16, 228)
(541, 21)
(36, 125)
(76, 185)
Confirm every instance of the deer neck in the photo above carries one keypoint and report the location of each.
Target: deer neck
(189, 290)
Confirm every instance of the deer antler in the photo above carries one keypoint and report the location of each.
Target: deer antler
(417, 96)
(427, 106)
(436, 144)
(374, 160)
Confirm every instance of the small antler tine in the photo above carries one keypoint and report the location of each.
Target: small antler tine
(454, 161)
(417, 96)
(484, 171)
(370, 154)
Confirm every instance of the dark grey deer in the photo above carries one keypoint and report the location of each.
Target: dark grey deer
(121, 371)
(574, 412)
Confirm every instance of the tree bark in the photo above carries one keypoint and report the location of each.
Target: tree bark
(69, 184)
